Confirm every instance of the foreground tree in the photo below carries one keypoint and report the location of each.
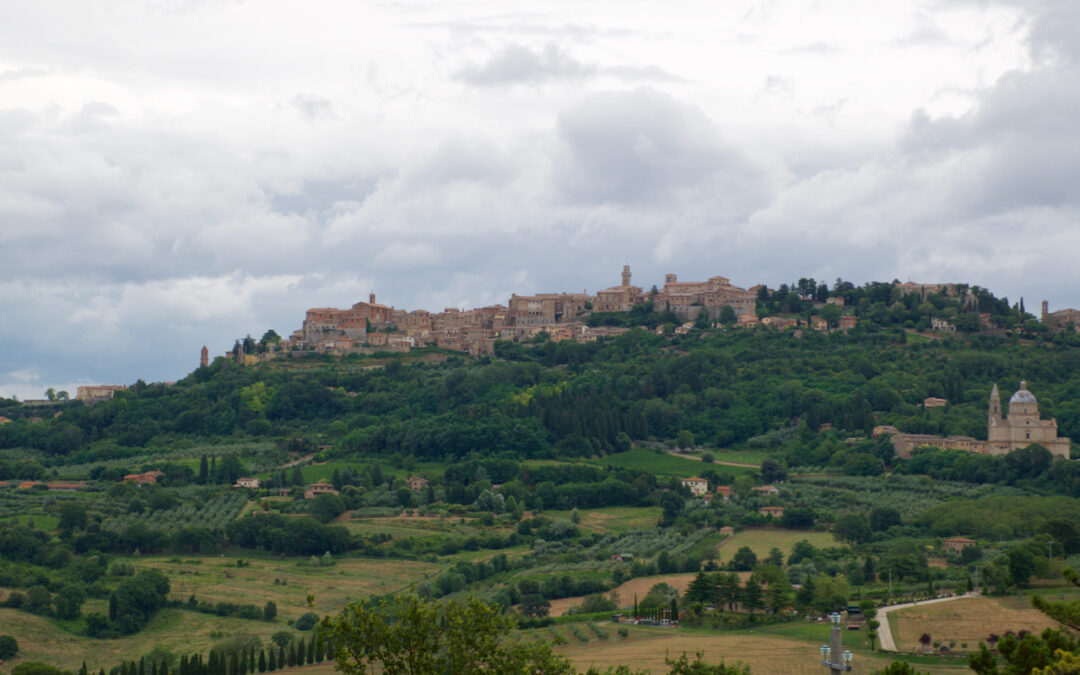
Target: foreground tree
(1066, 612)
(409, 636)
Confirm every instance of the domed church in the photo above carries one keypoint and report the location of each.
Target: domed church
(1022, 426)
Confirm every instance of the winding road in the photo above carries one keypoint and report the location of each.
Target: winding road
(886, 643)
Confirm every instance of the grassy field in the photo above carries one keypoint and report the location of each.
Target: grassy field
(762, 540)
(667, 465)
(967, 620)
(41, 639)
(624, 594)
(613, 519)
(218, 579)
(741, 456)
(40, 521)
(765, 653)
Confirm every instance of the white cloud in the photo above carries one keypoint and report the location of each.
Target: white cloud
(179, 172)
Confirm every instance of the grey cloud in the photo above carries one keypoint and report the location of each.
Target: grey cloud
(312, 107)
(516, 64)
(645, 148)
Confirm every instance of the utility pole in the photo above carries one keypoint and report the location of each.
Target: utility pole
(833, 655)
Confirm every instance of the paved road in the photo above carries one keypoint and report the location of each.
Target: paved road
(885, 636)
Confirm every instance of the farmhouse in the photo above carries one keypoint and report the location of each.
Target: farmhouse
(316, 489)
(416, 482)
(957, 544)
(724, 491)
(774, 511)
(697, 486)
(768, 490)
(251, 483)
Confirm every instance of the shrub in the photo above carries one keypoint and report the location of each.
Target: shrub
(306, 621)
(35, 668)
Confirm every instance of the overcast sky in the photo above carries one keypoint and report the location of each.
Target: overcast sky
(181, 172)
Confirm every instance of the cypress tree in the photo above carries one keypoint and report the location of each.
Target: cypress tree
(234, 665)
(281, 657)
(262, 660)
(291, 658)
(243, 667)
(82, 671)
(153, 668)
(142, 666)
(213, 468)
(204, 470)
(271, 663)
(311, 651)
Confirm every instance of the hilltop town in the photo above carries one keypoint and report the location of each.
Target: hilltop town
(372, 326)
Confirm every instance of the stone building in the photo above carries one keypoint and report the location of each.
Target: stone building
(547, 308)
(685, 298)
(92, 394)
(1022, 426)
(1061, 319)
(204, 357)
(326, 323)
(1018, 429)
(619, 298)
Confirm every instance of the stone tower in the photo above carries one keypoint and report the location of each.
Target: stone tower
(1045, 310)
(625, 275)
(995, 404)
(204, 359)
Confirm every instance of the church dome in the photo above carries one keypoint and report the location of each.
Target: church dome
(1022, 395)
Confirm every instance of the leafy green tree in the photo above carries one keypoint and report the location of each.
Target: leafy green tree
(851, 527)
(883, 517)
(535, 605)
(270, 611)
(703, 589)
(744, 560)
(1066, 612)
(395, 636)
(9, 647)
(67, 603)
(72, 517)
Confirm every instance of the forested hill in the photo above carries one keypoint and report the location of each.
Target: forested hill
(713, 387)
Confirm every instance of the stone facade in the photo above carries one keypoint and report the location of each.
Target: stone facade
(1018, 429)
(684, 297)
(1062, 319)
(1022, 426)
(94, 393)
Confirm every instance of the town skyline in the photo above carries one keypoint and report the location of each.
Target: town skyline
(186, 362)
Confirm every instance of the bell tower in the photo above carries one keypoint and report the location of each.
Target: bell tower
(204, 358)
(995, 404)
(625, 275)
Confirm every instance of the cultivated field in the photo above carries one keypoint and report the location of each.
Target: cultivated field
(286, 582)
(665, 464)
(762, 540)
(967, 620)
(766, 654)
(626, 592)
(613, 519)
(40, 639)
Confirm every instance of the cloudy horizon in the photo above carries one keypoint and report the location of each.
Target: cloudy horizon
(176, 173)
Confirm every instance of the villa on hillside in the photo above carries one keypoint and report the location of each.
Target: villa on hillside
(250, 483)
(697, 486)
